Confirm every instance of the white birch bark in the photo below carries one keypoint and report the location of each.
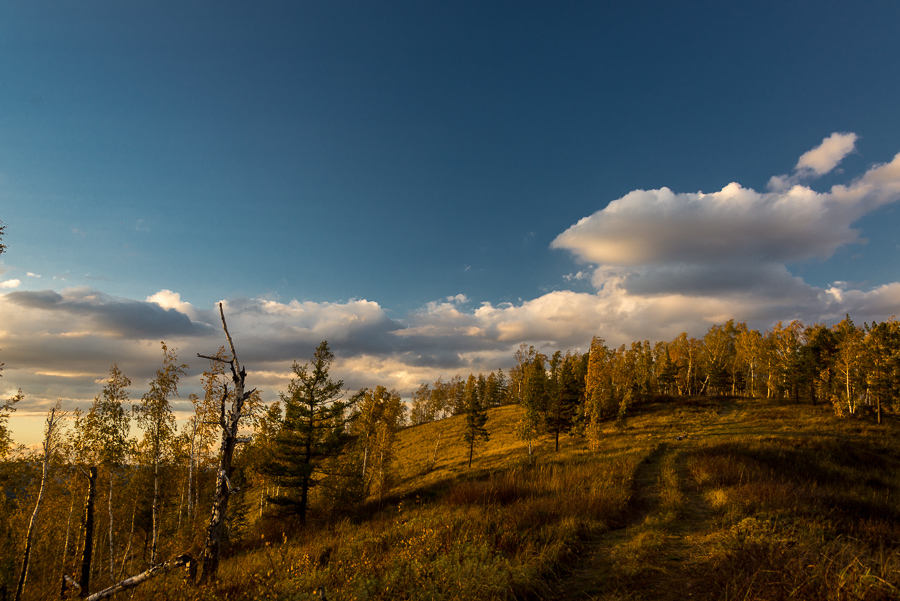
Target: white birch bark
(52, 423)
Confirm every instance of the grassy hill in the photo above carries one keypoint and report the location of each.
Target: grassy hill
(700, 499)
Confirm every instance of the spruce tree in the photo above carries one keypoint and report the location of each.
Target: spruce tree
(313, 430)
(476, 417)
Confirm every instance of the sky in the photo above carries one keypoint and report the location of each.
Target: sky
(428, 185)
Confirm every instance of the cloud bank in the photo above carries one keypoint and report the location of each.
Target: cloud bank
(660, 262)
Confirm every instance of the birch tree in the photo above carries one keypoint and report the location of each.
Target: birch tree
(155, 418)
(51, 439)
(8, 407)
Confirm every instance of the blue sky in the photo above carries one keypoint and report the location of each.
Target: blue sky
(405, 180)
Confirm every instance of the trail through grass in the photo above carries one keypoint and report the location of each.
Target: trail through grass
(754, 502)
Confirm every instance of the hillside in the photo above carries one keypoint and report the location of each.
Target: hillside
(701, 499)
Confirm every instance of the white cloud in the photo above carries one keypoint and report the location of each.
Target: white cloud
(10, 284)
(32, 275)
(659, 241)
(816, 162)
(172, 300)
(826, 156)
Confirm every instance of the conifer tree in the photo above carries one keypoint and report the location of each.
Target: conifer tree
(883, 375)
(564, 393)
(476, 418)
(313, 429)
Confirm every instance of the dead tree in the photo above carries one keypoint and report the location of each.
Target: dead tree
(230, 422)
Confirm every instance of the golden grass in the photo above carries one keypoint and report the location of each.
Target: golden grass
(704, 499)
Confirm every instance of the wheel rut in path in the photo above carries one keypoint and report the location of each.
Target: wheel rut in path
(588, 575)
(654, 553)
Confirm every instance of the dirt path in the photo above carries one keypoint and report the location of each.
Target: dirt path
(652, 555)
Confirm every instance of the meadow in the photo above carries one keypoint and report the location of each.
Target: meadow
(699, 498)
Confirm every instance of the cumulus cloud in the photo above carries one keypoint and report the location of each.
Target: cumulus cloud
(10, 284)
(172, 300)
(659, 241)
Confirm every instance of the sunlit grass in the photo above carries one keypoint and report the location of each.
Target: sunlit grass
(701, 499)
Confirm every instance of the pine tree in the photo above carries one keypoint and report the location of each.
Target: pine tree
(476, 417)
(563, 395)
(313, 430)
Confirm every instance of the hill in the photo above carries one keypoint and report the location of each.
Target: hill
(697, 498)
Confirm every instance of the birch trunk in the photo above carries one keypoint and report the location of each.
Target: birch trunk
(155, 508)
(52, 421)
(112, 561)
(133, 581)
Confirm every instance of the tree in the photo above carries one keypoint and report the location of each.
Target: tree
(476, 418)
(155, 418)
(313, 430)
(102, 437)
(230, 422)
(51, 439)
(849, 360)
(597, 390)
(786, 344)
(717, 355)
(421, 411)
(817, 361)
(8, 407)
(534, 397)
(883, 375)
(380, 413)
(749, 351)
(564, 394)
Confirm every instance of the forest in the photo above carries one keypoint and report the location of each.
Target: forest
(98, 510)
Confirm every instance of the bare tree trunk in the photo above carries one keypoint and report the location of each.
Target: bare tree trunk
(62, 567)
(85, 580)
(112, 561)
(190, 482)
(130, 539)
(52, 422)
(230, 424)
(155, 507)
(133, 581)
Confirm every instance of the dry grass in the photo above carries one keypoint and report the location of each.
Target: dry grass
(702, 499)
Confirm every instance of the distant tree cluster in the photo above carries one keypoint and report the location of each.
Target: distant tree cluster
(852, 368)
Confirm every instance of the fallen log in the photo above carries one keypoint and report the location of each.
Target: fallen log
(181, 560)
